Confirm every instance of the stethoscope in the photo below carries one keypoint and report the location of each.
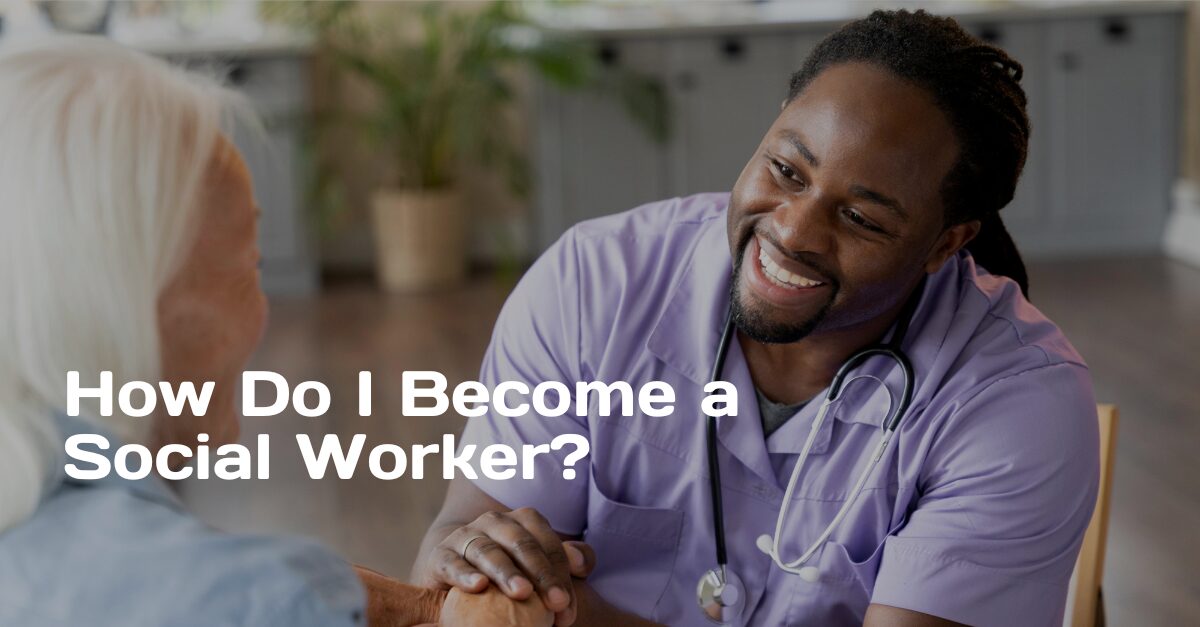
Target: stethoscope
(720, 592)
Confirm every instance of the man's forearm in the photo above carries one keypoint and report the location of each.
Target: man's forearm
(594, 611)
(436, 533)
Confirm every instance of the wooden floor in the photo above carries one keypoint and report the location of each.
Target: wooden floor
(1136, 321)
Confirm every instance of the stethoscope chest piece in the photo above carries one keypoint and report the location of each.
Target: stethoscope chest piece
(721, 596)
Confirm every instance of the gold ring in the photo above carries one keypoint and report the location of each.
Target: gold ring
(468, 545)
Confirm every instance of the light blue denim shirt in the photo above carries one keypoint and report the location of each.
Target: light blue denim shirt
(120, 552)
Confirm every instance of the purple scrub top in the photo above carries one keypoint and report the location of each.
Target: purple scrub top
(975, 513)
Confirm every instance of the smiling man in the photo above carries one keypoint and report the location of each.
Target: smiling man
(878, 186)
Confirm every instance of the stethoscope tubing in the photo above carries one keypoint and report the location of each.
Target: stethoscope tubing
(714, 466)
(891, 349)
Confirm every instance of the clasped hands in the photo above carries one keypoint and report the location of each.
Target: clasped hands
(505, 569)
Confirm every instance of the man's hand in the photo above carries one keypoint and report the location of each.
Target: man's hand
(520, 553)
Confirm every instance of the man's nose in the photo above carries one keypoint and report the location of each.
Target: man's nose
(805, 223)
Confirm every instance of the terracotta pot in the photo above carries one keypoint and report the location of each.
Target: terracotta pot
(420, 239)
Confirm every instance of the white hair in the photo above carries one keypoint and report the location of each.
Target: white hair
(102, 151)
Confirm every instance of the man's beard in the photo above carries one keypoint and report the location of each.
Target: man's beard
(751, 321)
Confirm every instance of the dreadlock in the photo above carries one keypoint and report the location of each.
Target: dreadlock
(977, 87)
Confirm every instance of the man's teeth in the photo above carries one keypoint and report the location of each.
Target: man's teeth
(772, 270)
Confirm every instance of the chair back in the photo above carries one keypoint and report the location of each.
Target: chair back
(1087, 610)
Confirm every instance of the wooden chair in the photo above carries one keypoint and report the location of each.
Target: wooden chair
(1088, 606)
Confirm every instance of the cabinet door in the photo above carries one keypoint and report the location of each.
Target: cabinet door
(1112, 97)
(592, 158)
(1028, 214)
(728, 89)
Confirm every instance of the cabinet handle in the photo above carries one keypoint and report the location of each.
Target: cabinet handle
(732, 48)
(238, 73)
(990, 34)
(1116, 29)
(608, 54)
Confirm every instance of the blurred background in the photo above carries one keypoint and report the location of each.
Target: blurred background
(413, 158)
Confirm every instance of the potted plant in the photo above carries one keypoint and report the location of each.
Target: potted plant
(443, 77)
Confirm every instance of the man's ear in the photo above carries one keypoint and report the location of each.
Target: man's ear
(949, 242)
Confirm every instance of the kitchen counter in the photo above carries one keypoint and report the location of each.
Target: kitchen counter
(690, 17)
(269, 43)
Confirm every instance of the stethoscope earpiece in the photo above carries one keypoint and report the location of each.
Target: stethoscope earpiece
(810, 574)
(764, 543)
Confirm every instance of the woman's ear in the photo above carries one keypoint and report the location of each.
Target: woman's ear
(949, 242)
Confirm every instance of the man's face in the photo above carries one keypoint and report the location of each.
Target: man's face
(839, 210)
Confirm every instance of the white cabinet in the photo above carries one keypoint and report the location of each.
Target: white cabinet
(593, 159)
(727, 91)
(1102, 97)
(1113, 92)
(1102, 90)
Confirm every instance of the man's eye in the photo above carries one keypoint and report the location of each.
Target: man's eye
(858, 219)
(784, 170)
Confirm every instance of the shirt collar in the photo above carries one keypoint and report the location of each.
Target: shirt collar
(688, 329)
(687, 332)
(150, 488)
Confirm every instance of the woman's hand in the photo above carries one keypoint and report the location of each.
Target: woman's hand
(520, 553)
(394, 604)
(494, 609)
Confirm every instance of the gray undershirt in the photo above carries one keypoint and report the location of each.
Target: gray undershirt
(775, 414)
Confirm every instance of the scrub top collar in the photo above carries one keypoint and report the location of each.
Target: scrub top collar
(687, 332)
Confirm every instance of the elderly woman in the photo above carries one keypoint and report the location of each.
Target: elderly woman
(128, 245)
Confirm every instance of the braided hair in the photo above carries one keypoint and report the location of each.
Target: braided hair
(977, 87)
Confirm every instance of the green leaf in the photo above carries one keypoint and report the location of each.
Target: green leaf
(442, 76)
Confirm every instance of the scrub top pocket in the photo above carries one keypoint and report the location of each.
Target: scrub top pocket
(640, 544)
